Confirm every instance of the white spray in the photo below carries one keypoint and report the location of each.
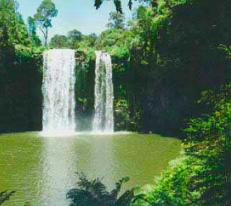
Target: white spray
(104, 95)
(58, 91)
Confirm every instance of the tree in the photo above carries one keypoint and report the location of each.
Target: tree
(59, 41)
(118, 4)
(94, 193)
(20, 76)
(31, 25)
(74, 37)
(116, 21)
(43, 17)
(202, 176)
(32, 31)
(12, 28)
(90, 39)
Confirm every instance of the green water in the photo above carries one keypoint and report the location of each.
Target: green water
(41, 170)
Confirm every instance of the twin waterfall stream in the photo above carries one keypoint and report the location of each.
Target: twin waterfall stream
(103, 119)
(59, 92)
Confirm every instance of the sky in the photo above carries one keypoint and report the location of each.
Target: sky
(75, 14)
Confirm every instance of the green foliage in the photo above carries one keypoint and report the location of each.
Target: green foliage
(116, 21)
(116, 42)
(20, 96)
(203, 175)
(4, 196)
(122, 114)
(59, 41)
(118, 4)
(32, 31)
(20, 74)
(172, 188)
(154, 58)
(175, 47)
(164, 58)
(94, 193)
(74, 38)
(12, 28)
(43, 17)
(209, 142)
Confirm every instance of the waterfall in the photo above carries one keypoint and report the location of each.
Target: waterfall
(103, 118)
(58, 91)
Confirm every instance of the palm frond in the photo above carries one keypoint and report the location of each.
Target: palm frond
(5, 195)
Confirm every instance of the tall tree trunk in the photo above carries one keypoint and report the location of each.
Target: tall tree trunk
(46, 36)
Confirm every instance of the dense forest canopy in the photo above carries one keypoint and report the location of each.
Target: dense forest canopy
(171, 63)
(163, 59)
(20, 78)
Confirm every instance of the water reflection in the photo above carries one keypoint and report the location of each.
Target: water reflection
(59, 163)
(42, 170)
(63, 157)
(101, 163)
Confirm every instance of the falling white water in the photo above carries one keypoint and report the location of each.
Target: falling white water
(58, 91)
(104, 95)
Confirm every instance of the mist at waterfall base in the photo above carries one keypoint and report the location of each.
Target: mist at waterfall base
(58, 88)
